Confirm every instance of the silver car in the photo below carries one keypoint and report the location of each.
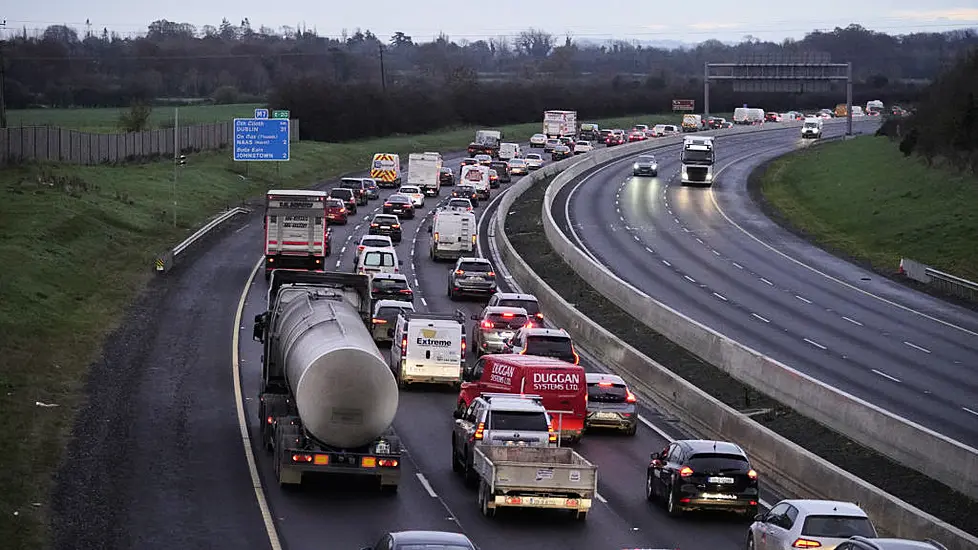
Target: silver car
(822, 524)
(495, 326)
(472, 276)
(610, 404)
(385, 314)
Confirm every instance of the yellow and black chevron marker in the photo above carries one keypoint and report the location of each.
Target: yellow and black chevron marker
(159, 264)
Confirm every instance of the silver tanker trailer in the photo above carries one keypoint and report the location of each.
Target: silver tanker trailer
(328, 397)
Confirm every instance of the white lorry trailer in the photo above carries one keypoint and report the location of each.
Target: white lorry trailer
(296, 234)
(424, 171)
(698, 157)
(558, 124)
(327, 397)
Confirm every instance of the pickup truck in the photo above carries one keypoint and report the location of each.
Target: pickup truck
(555, 478)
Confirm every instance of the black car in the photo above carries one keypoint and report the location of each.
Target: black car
(561, 152)
(414, 540)
(391, 286)
(399, 204)
(699, 474)
(446, 176)
(358, 187)
(373, 191)
(603, 137)
(502, 170)
(348, 196)
(386, 224)
(466, 192)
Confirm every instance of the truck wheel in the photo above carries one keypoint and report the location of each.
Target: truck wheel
(457, 466)
(581, 515)
(471, 477)
(484, 500)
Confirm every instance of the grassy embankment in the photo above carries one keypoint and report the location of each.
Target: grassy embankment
(76, 246)
(106, 121)
(863, 198)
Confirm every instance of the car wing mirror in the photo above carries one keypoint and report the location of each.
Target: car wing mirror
(390, 332)
(258, 332)
(457, 414)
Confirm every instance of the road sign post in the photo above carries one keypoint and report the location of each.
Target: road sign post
(261, 139)
(683, 104)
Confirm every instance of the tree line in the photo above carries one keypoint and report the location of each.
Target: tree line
(944, 127)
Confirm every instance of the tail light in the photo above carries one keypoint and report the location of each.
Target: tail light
(540, 316)
(551, 434)
(308, 458)
(508, 315)
(459, 272)
(577, 359)
(396, 226)
(487, 324)
(380, 321)
(388, 204)
(805, 543)
(752, 474)
(375, 225)
(685, 471)
(435, 236)
(605, 384)
(465, 346)
(407, 291)
(342, 210)
(361, 247)
(404, 346)
(630, 398)
(491, 274)
(480, 431)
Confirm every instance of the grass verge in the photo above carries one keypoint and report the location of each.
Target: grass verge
(106, 120)
(524, 228)
(864, 199)
(76, 246)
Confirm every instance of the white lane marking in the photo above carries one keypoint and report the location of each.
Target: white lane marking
(600, 498)
(738, 266)
(765, 281)
(338, 262)
(966, 409)
(720, 296)
(685, 230)
(343, 250)
(649, 250)
(853, 321)
(806, 300)
(715, 253)
(675, 220)
(426, 485)
(242, 228)
(916, 347)
(699, 240)
(635, 237)
(667, 263)
(266, 513)
(887, 376)
(690, 279)
(415, 280)
(424, 303)
(816, 344)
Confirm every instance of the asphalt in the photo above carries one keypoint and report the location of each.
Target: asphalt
(900, 349)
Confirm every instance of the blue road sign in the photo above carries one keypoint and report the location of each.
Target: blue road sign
(261, 139)
(261, 113)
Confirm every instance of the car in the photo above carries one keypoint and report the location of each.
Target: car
(544, 342)
(866, 543)
(466, 192)
(640, 128)
(358, 187)
(616, 137)
(493, 181)
(518, 167)
(538, 140)
(567, 140)
(502, 170)
(454, 203)
(414, 192)
(561, 152)
(336, 211)
(385, 314)
(697, 474)
(483, 159)
(372, 241)
(645, 165)
(386, 224)
(727, 125)
(583, 147)
(468, 162)
(494, 326)
(472, 276)
(528, 302)
(714, 122)
(348, 196)
(772, 117)
(373, 190)
(603, 135)
(534, 161)
(422, 540)
(636, 135)
(391, 286)
(809, 523)
(549, 145)
(610, 404)
(446, 176)
(399, 204)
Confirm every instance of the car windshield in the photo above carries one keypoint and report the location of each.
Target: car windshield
(378, 243)
(507, 321)
(610, 393)
(431, 546)
(390, 284)
(341, 193)
(399, 198)
(841, 527)
(387, 220)
(334, 203)
(518, 421)
(478, 267)
(464, 189)
(378, 259)
(550, 346)
(531, 306)
(717, 462)
(391, 313)
(409, 190)
(534, 156)
(351, 184)
(649, 160)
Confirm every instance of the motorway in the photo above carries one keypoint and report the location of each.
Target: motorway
(342, 513)
(712, 255)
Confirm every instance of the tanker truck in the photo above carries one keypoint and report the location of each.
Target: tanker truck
(327, 397)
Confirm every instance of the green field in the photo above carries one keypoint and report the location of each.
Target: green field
(106, 120)
(77, 245)
(864, 198)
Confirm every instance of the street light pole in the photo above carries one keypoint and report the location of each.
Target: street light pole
(3, 80)
(176, 158)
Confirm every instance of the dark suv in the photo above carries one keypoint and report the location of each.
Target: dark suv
(472, 276)
(386, 224)
(502, 170)
(348, 196)
(358, 187)
(391, 286)
(696, 474)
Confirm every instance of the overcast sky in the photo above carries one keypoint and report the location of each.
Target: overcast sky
(586, 19)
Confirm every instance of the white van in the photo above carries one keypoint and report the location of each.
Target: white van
(477, 176)
(812, 128)
(453, 235)
(373, 260)
(509, 151)
(428, 348)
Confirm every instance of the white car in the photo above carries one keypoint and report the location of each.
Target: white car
(583, 147)
(413, 191)
(534, 161)
(537, 140)
(822, 524)
(372, 241)
(549, 145)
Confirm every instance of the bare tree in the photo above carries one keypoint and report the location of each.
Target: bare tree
(534, 43)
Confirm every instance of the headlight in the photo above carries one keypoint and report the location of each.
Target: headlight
(635, 166)
(655, 166)
(709, 176)
(685, 175)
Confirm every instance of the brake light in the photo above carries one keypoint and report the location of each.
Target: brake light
(479, 431)
(491, 274)
(529, 324)
(577, 359)
(435, 236)
(539, 316)
(342, 210)
(407, 291)
(375, 225)
(605, 384)
(459, 272)
(361, 247)
(631, 397)
(752, 474)
(396, 225)
(464, 347)
(404, 346)
(685, 471)
(551, 434)
(301, 458)
(507, 315)
(487, 324)
(388, 204)
(805, 543)
(380, 321)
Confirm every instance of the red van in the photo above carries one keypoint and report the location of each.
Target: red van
(562, 385)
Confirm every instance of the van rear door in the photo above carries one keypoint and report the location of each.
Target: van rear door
(564, 392)
(434, 351)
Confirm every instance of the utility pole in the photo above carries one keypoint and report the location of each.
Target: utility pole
(3, 80)
(176, 158)
(383, 73)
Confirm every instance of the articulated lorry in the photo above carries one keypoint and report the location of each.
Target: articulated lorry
(486, 143)
(424, 170)
(698, 157)
(296, 234)
(328, 397)
(558, 124)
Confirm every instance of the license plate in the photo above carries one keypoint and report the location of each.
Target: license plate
(505, 334)
(715, 496)
(385, 227)
(721, 480)
(476, 279)
(515, 444)
(607, 416)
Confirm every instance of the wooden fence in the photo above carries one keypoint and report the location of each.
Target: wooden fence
(43, 143)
